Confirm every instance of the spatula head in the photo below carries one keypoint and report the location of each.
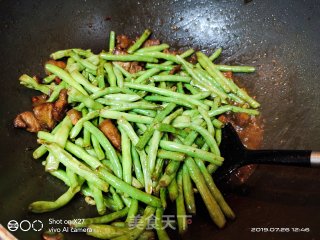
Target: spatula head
(233, 152)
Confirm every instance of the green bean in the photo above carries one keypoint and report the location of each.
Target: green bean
(77, 96)
(52, 164)
(82, 52)
(191, 89)
(139, 41)
(60, 174)
(32, 83)
(173, 190)
(122, 70)
(227, 108)
(103, 231)
(187, 53)
(140, 227)
(152, 153)
(56, 91)
(112, 39)
(168, 99)
(94, 59)
(137, 165)
(142, 105)
(216, 74)
(163, 197)
(98, 198)
(148, 134)
(127, 58)
(213, 189)
(161, 232)
(243, 69)
(126, 157)
(165, 92)
(191, 151)
(77, 76)
(243, 95)
(155, 55)
(181, 211)
(201, 95)
(172, 167)
(149, 73)
(97, 148)
(235, 98)
(216, 54)
(80, 153)
(218, 136)
(171, 155)
(111, 76)
(212, 168)
(126, 126)
(84, 62)
(133, 210)
(155, 48)
(79, 168)
(145, 112)
(207, 119)
(65, 76)
(110, 90)
(116, 198)
(48, 206)
(77, 128)
(135, 183)
(210, 83)
(188, 191)
(180, 88)
(60, 54)
(122, 97)
(211, 204)
(110, 151)
(209, 138)
(102, 219)
(129, 117)
(160, 66)
(170, 78)
(49, 79)
(119, 76)
(158, 169)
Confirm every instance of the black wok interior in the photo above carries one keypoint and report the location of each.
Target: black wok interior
(280, 38)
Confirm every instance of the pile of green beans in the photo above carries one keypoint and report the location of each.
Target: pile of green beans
(170, 135)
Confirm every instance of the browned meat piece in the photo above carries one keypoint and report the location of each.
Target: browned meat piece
(37, 100)
(175, 70)
(111, 132)
(59, 64)
(74, 115)
(131, 67)
(151, 42)
(43, 114)
(27, 120)
(123, 42)
(228, 74)
(60, 106)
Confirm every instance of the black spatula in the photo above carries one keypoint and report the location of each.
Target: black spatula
(236, 155)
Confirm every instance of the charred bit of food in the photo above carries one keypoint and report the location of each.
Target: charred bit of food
(111, 132)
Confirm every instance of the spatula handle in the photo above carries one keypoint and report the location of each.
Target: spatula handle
(302, 158)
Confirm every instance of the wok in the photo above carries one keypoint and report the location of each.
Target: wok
(280, 38)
